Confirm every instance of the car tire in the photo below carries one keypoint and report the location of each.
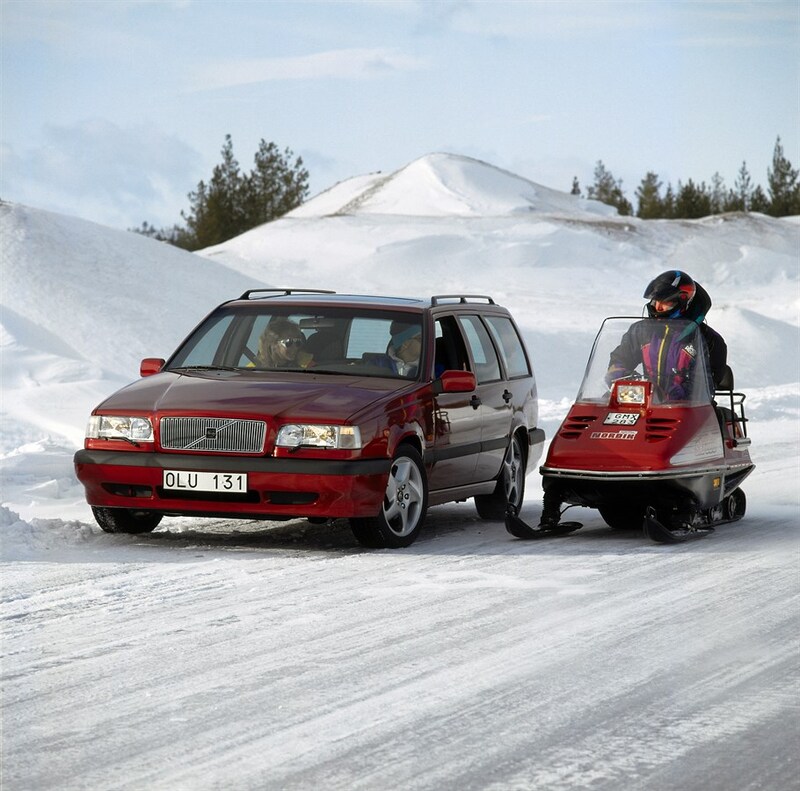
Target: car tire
(404, 505)
(622, 516)
(126, 520)
(510, 489)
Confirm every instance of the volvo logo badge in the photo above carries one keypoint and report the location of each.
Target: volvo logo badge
(211, 432)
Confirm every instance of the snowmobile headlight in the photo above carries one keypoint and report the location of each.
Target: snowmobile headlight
(630, 394)
(296, 435)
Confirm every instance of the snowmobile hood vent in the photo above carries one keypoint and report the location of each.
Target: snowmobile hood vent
(658, 429)
(575, 425)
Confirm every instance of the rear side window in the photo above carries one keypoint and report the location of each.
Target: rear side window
(487, 366)
(511, 349)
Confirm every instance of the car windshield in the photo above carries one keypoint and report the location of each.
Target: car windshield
(669, 353)
(264, 337)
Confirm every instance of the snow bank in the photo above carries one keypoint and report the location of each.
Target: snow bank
(23, 540)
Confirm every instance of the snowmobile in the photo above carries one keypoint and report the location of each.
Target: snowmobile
(655, 446)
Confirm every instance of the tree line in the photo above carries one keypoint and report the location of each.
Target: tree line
(233, 202)
(692, 200)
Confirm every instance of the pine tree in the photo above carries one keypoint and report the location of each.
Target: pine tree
(576, 187)
(217, 212)
(648, 195)
(607, 189)
(743, 187)
(275, 186)
(669, 203)
(759, 202)
(232, 203)
(717, 195)
(783, 187)
(692, 201)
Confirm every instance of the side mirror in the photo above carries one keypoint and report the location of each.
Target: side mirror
(456, 382)
(150, 366)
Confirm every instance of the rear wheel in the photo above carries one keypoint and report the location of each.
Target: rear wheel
(404, 505)
(126, 520)
(622, 516)
(510, 489)
(735, 505)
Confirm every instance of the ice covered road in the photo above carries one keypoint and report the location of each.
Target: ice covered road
(215, 655)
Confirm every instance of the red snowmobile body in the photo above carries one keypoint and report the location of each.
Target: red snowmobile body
(656, 446)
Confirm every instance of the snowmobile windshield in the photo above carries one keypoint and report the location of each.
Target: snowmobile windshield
(670, 353)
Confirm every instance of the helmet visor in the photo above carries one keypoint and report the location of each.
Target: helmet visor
(663, 307)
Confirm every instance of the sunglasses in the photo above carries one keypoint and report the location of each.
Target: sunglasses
(289, 342)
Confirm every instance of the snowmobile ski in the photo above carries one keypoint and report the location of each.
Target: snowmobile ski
(661, 534)
(520, 529)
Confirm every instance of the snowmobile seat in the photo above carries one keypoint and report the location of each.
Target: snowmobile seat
(727, 380)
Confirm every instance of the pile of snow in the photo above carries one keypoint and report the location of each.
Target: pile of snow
(82, 304)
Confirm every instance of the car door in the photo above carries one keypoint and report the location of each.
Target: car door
(494, 397)
(456, 418)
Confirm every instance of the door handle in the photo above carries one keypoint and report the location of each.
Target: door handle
(507, 396)
(475, 402)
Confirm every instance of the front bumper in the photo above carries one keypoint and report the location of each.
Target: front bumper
(277, 488)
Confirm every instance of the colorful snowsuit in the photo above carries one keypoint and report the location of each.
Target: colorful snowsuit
(667, 354)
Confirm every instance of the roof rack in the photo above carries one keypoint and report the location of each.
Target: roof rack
(283, 292)
(462, 298)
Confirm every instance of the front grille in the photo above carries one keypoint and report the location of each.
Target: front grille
(213, 434)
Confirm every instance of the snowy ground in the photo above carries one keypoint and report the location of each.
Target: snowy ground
(215, 654)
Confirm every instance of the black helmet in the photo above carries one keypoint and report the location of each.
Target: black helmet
(673, 291)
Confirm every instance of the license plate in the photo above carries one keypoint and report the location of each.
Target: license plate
(621, 418)
(234, 482)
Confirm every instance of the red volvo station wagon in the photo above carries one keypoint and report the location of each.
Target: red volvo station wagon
(291, 403)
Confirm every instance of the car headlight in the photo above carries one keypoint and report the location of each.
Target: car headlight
(132, 429)
(295, 435)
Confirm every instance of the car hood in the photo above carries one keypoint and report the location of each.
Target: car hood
(301, 396)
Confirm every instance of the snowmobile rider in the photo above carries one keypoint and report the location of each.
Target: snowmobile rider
(671, 295)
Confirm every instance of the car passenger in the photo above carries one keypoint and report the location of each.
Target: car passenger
(405, 348)
(403, 352)
(281, 346)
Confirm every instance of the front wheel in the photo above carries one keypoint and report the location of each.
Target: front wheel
(404, 505)
(126, 520)
(510, 489)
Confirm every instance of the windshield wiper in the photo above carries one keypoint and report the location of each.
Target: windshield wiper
(205, 368)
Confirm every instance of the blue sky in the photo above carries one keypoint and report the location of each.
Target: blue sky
(114, 110)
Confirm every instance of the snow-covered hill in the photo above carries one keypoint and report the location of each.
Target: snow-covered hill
(216, 654)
